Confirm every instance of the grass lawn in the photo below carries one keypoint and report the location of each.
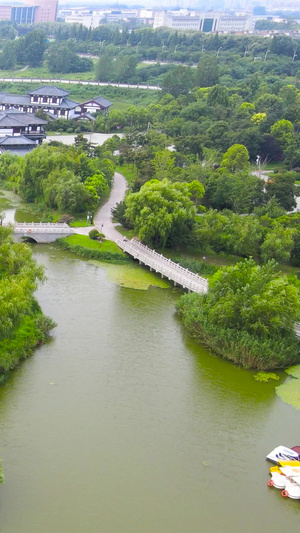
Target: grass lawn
(128, 171)
(79, 223)
(43, 72)
(86, 242)
(129, 233)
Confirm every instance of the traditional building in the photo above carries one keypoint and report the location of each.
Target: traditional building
(54, 102)
(20, 132)
(95, 105)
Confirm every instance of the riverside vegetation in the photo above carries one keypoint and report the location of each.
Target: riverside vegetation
(23, 325)
(193, 185)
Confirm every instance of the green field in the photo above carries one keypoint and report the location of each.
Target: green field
(43, 72)
(86, 242)
(120, 97)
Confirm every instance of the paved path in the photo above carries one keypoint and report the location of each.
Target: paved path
(102, 220)
(94, 138)
(80, 82)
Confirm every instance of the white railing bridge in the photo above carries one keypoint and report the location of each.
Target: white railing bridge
(164, 266)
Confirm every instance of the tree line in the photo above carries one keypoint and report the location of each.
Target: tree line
(58, 177)
(23, 325)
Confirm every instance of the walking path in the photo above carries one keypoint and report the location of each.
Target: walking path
(103, 219)
(81, 82)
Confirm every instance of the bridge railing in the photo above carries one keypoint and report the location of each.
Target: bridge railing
(42, 227)
(164, 266)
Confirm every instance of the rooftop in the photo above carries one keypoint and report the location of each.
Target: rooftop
(49, 90)
(20, 140)
(15, 118)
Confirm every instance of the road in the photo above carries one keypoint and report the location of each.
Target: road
(80, 82)
(103, 219)
(94, 138)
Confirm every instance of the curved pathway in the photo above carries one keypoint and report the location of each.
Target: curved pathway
(103, 219)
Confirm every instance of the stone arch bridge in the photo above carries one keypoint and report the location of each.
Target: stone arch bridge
(41, 232)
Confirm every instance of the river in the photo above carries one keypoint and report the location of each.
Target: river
(123, 424)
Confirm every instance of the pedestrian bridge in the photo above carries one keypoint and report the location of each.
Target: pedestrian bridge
(164, 266)
(168, 269)
(41, 232)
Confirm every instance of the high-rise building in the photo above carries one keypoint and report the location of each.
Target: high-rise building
(46, 10)
(31, 11)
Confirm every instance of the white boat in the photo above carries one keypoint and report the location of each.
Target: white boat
(292, 488)
(282, 453)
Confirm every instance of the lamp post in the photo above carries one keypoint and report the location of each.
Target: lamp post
(258, 162)
(219, 51)
(266, 55)
(137, 47)
(294, 54)
(176, 48)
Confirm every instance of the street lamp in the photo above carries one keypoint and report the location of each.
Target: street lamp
(219, 51)
(258, 163)
(176, 47)
(294, 54)
(137, 46)
(266, 54)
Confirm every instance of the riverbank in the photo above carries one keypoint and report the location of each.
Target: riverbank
(23, 325)
(87, 248)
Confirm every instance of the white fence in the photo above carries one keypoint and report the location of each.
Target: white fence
(166, 267)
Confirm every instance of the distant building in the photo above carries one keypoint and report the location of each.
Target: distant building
(210, 21)
(31, 11)
(5, 12)
(46, 10)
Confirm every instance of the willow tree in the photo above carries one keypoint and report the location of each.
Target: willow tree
(161, 211)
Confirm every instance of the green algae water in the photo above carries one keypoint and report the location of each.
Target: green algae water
(122, 424)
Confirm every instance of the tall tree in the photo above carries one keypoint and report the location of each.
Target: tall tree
(161, 211)
(207, 72)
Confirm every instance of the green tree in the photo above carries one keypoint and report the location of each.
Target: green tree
(178, 81)
(236, 159)
(282, 187)
(278, 244)
(163, 164)
(283, 131)
(218, 96)
(8, 58)
(207, 72)
(253, 298)
(31, 48)
(161, 211)
(61, 57)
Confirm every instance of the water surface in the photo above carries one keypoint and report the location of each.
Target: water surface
(122, 424)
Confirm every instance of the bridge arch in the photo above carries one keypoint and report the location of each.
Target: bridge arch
(29, 239)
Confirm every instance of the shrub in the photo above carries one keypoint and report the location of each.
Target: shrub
(94, 234)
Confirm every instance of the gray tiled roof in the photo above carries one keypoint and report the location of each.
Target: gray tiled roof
(99, 100)
(14, 99)
(19, 140)
(67, 104)
(15, 118)
(49, 90)
(86, 115)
